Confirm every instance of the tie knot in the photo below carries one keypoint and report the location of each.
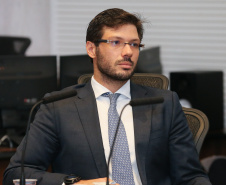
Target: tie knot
(113, 97)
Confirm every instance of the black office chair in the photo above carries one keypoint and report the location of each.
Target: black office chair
(215, 166)
(14, 45)
(197, 120)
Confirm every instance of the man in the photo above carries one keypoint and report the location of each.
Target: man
(73, 134)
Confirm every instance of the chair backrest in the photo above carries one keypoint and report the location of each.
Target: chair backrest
(198, 124)
(72, 67)
(197, 120)
(148, 79)
(13, 45)
(149, 61)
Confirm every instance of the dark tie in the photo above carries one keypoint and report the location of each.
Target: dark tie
(121, 164)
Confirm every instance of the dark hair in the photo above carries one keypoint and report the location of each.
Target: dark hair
(112, 18)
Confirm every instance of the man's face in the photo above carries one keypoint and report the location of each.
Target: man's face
(117, 62)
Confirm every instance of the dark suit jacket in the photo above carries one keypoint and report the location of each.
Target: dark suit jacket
(67, 135)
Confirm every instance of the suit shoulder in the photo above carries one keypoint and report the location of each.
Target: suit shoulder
(152, 90)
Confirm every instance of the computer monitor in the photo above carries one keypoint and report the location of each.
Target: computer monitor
(73, 66)
(149, 61)
(23, 81)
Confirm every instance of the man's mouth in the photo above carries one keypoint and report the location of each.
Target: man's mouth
(126, 64)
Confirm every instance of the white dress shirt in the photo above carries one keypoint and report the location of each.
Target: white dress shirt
(103, 104)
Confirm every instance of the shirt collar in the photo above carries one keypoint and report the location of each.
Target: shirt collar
(100, 89)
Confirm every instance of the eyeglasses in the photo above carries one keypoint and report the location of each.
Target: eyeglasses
(117, 44)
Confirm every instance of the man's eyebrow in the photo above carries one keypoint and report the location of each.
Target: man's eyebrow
(115, 37)
(120, 38)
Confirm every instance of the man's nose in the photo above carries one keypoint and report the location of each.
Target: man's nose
(127, 50)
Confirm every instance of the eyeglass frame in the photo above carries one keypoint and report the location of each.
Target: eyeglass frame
(111, 41)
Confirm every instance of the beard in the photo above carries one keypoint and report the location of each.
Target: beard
(110, 71)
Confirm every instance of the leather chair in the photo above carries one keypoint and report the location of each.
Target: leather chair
(197, 120)
(14, 45)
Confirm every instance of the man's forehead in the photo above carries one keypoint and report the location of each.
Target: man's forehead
(119, 31)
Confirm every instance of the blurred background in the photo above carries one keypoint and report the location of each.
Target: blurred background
(190, 37)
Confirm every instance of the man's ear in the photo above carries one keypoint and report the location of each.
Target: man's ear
(91, 49)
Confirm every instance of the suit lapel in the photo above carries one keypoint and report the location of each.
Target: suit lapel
(142, 128)
(87, 108)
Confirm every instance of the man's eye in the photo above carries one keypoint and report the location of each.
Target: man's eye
(134, 45)
(115, 42)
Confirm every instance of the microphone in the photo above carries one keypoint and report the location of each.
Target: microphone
(45, 100)
(59, 96)
(134, 102)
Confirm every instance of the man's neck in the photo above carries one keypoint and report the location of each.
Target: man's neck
(111, 84)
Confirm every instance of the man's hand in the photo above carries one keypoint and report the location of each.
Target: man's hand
(94, 181)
